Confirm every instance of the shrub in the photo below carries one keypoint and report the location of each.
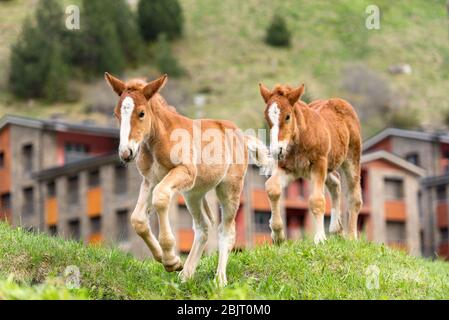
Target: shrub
(160, 16)
(278, 34)
(166, 62)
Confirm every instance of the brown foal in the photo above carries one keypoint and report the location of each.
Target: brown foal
(315, 141)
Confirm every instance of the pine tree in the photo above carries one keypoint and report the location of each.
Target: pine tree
(165, 60)
(160, 16)
(31, 56)
(278, 34)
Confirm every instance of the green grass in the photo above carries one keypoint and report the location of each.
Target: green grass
(295, 270)
(224, 54)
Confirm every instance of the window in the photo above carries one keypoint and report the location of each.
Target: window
(27, 156)
(441, 193)
(53, 230)
(262, 221)
(28, 201)
(72, 190)
(94, 178)
(121, 184)
(75, 151)
(395, 231)
(444, 235)
(2, 159)
(394, 189)
(51, 189)
(5, 201)
(95, 225)
(413, 158)
(74, 229)
(122, 225)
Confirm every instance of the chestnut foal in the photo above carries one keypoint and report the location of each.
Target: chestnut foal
(313, 141)
(149, 132)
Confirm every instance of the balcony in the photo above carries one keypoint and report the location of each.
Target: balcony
(395, 210)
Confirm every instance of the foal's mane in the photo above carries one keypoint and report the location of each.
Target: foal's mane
(281, 90)
(156, 100)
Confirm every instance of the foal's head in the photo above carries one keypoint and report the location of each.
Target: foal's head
(132, 112)
(280, 115)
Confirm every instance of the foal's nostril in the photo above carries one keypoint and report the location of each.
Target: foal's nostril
(130, 153)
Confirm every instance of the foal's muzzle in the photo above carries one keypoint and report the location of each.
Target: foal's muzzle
(128, 153)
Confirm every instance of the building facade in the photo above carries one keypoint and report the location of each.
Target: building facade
(66, 179)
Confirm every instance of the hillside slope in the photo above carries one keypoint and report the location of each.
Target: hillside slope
(225, 56)
(296, 270)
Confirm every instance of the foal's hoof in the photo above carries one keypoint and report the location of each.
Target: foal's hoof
(319, 238)
(220, 280)
(336, 228)
(278, 237)
(177, 266)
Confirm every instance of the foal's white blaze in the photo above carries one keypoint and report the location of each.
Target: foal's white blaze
(275, 145)
(126, 111)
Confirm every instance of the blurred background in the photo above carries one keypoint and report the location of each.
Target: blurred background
(220, 50)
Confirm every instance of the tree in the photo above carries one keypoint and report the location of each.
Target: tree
(165, 60)
(32, 55)
(108, 40)
(278, 34)
(160, 16)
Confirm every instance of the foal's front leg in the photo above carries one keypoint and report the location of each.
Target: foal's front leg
(317, 201)
(274, 186)
(176, 180)
(140, 221)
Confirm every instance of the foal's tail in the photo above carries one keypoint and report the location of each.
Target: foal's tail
(260, 154)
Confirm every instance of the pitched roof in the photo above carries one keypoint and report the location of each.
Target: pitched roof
(77, 166)
(392, 158)
(57, 125)
(410, 134)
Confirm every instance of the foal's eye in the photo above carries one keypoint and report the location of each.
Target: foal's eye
(287, 117)
(141, 115)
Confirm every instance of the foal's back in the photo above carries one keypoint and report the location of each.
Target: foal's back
(344, 128)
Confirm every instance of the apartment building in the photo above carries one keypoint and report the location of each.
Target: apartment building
(66, 179)
(430, 151)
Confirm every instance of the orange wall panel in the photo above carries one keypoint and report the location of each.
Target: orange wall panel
(395, 210)
(5, 171)
(94, 202)
(261, 238)
(442, 214)
(443, 250)
(51, 210)
(185, 239)
(95, 239)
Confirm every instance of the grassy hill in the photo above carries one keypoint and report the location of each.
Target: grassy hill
(32, 266)
(225, 56)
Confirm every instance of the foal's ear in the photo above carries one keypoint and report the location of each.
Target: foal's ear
(117, 85)
(294, 94)
(265, 92)
(154, 86)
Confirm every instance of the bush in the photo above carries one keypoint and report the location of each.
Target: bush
(278, 34)
(37, 59)
(160, 16)
(404, 119)
(166, 62)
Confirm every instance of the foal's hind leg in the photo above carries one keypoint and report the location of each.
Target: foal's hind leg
(228, 194)
(140, 221)
(333, 184)
(351, 170)
(201, 225)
